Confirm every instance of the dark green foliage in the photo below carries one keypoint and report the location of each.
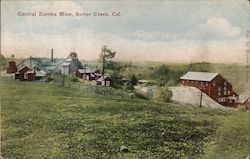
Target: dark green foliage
(166, 76)
(114, 65)
(133, 81)
(3, 62)
(116, 76)
(200, 67)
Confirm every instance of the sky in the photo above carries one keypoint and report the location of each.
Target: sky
(180, 31)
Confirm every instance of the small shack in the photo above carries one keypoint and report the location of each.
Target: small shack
(105, 81)
(25, 74)
(88, 74)
(244, 100)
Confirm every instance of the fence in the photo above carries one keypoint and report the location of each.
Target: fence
(71, 82)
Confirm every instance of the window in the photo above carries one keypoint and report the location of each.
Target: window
(225, 92)
(103, 83)
(206, 83)
(214, 84)
(225, 83)
(228, 92)
(25, 75)
(221, 99)
(225, 88)
(107, 83)
(219, 91)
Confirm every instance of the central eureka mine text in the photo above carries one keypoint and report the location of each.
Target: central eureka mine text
(69, 14)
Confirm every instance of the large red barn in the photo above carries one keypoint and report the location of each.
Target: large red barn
(213, 84)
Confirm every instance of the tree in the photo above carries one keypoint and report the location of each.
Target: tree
(133, 81)
(3, 62)
(105, 55)
(12, 57)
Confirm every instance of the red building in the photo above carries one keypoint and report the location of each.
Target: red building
(88, 74)
(12, 68)
(25, 74)
(213, 84)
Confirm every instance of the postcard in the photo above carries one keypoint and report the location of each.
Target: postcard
(125, 79)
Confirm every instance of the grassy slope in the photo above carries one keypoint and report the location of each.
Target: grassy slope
(45, 121)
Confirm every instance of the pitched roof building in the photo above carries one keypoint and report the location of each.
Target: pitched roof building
(213, 84)
(49, 66)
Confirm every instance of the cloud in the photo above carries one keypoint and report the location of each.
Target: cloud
(218, 28)
(154, 36)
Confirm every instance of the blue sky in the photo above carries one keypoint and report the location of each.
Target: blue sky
(166, 31)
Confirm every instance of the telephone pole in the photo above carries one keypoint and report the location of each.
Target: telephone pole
(201, 99)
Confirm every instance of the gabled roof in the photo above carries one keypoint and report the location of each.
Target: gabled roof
(42, 63)
(87, 70)
(199, 76)
(102, 78)
(23, 68)
(243, 98)
(40, 73)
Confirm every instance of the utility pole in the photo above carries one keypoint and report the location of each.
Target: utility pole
(103, 62)
(201, 99)
(63, 80)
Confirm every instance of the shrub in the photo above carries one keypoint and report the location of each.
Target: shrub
(163, 94)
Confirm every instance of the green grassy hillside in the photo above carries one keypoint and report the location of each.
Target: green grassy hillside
(40, 120)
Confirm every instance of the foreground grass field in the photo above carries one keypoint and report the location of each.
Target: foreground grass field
(40, 120)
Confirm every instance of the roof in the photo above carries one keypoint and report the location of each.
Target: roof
(243, 98)
(23, 68)
(102, 78)
(66, 64)
(40, 73)
(199, 76)
(87, 70)
(42, 63)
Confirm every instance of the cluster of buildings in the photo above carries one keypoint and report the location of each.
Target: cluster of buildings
(43, 69)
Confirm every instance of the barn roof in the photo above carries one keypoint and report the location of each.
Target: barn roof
(199, 76)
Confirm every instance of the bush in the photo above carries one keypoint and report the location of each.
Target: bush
(163, 94)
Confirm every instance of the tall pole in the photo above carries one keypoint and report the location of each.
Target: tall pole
(201, 99)
(103, 61)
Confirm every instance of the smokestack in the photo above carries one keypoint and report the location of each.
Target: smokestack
(52, 58)
(30, 61)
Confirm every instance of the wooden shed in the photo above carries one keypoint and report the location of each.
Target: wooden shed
(105, 81)
(25, 74)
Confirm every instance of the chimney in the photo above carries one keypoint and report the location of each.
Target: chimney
(30, 61)
(52, 58)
